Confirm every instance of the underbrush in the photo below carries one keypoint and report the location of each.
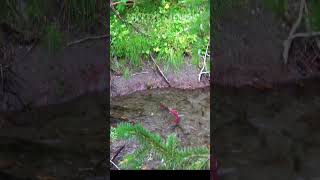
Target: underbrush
(168, 30)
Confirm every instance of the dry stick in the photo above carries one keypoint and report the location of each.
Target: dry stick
(117, 152)
(87, 39)
(204, 63)
(165, 78)
(139, 73)
(287, 43)
(114, 165)
(119, 2)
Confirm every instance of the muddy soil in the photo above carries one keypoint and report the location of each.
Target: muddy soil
(144, 107)
(64, 141)
(267, 135)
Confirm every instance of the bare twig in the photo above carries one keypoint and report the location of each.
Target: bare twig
(117, 152)
(114, 165)
(119, 2)
(204, 64)
(305, 35)
(165, 78)
(87, 39)
(139, 73)
(287, 42)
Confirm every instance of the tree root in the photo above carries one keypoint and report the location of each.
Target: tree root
(292, 35)
(204, 64)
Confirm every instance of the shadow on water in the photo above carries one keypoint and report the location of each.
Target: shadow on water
(63, 141)
(268, 135)
(144, 107)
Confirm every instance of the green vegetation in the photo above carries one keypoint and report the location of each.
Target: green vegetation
(315, 15)
(50, 19)
(169, 151)
(53, 38)
(281, 7)
(169, 30)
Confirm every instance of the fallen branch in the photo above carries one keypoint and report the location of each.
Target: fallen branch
(114, 165)
(119, 2)
(165, 78)
(139, 73)
(87, 39)
(117, 152)
(204, 64)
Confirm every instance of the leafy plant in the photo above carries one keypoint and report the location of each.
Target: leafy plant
(171, 31)
(169, 151)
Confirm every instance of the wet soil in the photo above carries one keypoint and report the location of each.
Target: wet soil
(144, 107)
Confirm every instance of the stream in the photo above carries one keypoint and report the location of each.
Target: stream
(144, 107)
(273, 134)
(62, 141)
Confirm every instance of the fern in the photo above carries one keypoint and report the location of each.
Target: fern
(172, 155)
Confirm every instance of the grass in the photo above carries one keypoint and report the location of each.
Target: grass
(39, 16)
(172, 30)
(53, 38)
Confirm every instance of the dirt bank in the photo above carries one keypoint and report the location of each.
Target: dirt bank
(51, 79)
(150, 78)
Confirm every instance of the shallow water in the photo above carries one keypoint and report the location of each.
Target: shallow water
(64, 141)
(144, 107)
(268, 135)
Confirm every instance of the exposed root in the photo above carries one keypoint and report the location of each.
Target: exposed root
(292, 35)
(129, 2)
(204, 64)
